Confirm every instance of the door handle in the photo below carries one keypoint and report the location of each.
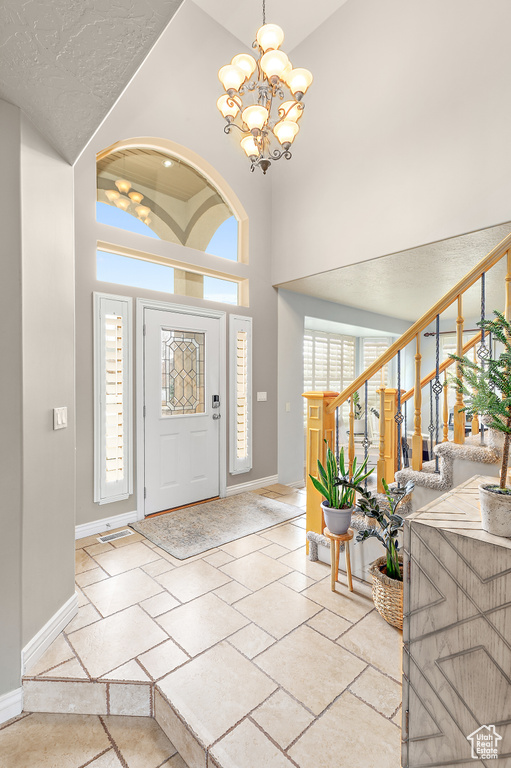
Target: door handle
(217, 416)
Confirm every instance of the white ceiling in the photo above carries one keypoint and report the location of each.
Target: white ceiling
(406, 284)
(298, 18)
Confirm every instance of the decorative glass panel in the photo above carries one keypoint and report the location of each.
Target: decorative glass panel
(240, 366)
(182, 368)
(114, 406)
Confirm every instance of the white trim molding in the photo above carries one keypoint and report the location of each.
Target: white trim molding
(297, 484)
(253, 485)
(11, 705)
(35, 648)
(105, 524)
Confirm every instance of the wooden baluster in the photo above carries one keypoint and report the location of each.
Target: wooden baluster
(417, 435)
(380, 467)
(475, 418)
(507, 312)
(351, 442)
(459, 415)
(446, 409)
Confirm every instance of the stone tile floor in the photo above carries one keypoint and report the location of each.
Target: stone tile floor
(243, 655)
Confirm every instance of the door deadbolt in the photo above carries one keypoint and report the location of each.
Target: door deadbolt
(215, 401)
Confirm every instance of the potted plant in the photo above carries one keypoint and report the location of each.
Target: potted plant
(386, 571)
(487, 390)
(339, 502)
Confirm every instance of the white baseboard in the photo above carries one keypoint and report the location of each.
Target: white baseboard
(11, 705)
(297, 484)
(35, 648)
(253, 485)
(105, 524)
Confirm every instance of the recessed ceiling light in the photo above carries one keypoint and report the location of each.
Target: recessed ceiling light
(167, 163)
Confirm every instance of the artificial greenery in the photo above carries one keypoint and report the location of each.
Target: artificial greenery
(389, 524)
(486, 386)
(328, 485)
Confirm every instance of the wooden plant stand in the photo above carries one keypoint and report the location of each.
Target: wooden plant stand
(335, 548)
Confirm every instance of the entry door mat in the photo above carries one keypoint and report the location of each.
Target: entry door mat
(191, 531)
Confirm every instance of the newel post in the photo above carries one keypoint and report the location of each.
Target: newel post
(320, 427)
(387, 463)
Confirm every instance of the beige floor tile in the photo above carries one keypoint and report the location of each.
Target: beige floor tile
(113, 641)
(159, 604)
(350, 605)
(80, 598)
(90, 577)
(125, 558)
(271, 495)
(299, 561)
(256, 570)
(107, 760)
(186, 744)
(245, 546)
(279, 488)
(397, 717)
(71, 670)
(98, 549)
(129, 672)
(251, 640)
(297, 581)
(50, 741)
(309, 667)
(87, 541)
(83, 562)
(201, 623)
(385, 653)
(157, 567)
(288, 536)
(163, 659)
(329, 624)
(175, 762)
(87, 614)
(277, 609)
(378, 690)
(127, 540)
(121, 591)
(275, 551)
(294, 500)
(260, 491)
(300, 522)
(282, 718)
(58, 652)
(232, 592)
(64, 697)
(140, 740)
(215, 690)
(130, 699)
(218, 559)
(191, 581)
(247, 747)
(368, 739)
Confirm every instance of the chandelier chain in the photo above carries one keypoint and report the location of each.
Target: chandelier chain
(264, 12)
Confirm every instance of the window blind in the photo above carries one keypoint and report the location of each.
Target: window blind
(329, 363)
(240, 342)
(372, 348)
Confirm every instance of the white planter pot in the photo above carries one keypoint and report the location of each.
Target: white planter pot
(337, 520)
(359, 426)
(495, 512)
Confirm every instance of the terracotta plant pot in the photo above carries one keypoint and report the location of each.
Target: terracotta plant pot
(387, 593)
(495, 511)
(337, 520)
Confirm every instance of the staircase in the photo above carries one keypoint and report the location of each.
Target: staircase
(454, 461)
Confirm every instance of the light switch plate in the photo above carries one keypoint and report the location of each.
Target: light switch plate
(262, 397)
(60, 418)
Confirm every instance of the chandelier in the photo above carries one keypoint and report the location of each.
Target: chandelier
(267, 108)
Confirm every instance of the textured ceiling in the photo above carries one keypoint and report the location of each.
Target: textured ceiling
(65, 62)
(298, 18)
(407, 284)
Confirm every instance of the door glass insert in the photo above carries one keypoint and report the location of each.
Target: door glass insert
(182, 369)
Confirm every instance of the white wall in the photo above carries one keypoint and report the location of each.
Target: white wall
(293, 308)
(173, 96)
(405, 137)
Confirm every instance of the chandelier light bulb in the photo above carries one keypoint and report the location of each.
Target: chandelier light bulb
(285, 131)
(123, 186)
(231, 77)
(270, 37)
(142, 211)
(298, 80)
(255, 117)
(249, 146)
(246, 63)
(123, 203)
(291, 110)
(112, 195)
(136, 197)
(275, 64)
(229, 106)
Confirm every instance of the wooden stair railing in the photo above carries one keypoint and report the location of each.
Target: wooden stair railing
(322, 406)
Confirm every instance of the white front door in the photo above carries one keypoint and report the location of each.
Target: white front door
(182, 413)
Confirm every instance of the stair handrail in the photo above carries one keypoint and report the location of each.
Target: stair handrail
(489, 261)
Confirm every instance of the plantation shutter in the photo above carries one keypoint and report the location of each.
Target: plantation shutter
(328, 363)
(372, 348)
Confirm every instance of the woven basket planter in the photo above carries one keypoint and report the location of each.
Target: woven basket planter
(387, 593)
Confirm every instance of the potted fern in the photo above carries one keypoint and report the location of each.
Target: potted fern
(339, 502)
(487, 390)
(386, 571)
